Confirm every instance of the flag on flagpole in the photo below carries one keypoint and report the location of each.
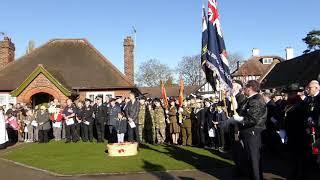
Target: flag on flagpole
(210, 76)
(164, 96)
(216, 56)
(181, 89)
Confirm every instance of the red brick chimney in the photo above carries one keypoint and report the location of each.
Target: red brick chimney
(6, 52)
(128, 46)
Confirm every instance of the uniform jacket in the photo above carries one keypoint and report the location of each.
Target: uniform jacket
(113, 114)
(159, 118)
(100, 112)
(142, 114)
(87, 114)
(186, 114)
(173, 114)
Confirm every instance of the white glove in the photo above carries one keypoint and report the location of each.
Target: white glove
(237, 118)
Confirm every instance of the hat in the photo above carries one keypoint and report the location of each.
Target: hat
(112, 99)
(43, 108)
(295, 87)
(99, 97)
(277, 93)
(87, 99)
(9, 111)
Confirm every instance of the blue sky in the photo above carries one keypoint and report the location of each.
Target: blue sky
(166, 29)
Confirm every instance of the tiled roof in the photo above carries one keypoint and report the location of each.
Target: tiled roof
(74, 61)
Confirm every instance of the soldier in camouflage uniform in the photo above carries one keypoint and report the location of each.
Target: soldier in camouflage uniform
(159, 120)
(149, 124)
(186, 124)
(141, 119)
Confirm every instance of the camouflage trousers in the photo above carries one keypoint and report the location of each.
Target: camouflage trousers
(141, 133)
(160, 135)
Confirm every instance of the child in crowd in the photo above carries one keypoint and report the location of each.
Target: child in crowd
(121, 127)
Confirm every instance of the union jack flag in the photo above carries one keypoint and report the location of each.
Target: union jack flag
(214, 54)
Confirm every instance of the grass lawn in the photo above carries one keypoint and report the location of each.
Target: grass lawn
(79, 158)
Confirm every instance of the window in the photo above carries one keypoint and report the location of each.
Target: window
(93, 95)
(5, 99)
(267, 60)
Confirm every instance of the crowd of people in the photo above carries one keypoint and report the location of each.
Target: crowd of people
(286, 119)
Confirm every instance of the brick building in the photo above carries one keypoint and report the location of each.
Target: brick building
(60, 69)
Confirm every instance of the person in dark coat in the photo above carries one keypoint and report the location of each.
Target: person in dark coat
(87, 122)
(313, 115)
(294, 119)
(132, 111)
(113, 111)
(44, 124)
(79, 119)
(270, 135)
(252, 117)
(121, 126)
(100, 114)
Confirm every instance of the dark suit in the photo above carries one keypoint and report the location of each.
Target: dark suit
(298, 143)
(112, 121)
(254, 111)
(132, 111)
(100, 114)
(87, 130)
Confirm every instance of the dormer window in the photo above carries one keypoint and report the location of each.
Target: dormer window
(267, 60)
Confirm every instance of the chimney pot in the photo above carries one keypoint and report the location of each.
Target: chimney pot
(289, 53)
(255, 52)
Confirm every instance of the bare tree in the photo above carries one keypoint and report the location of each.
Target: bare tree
(151, 72)
(190, 69)
(234, 59)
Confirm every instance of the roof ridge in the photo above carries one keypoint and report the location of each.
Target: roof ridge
(106, 60)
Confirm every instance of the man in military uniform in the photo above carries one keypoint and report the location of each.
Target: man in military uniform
(100, 115)
(113, 111)
(149, 124)
(141, 119)
(87, 126)
(160, 124)
(186, 126)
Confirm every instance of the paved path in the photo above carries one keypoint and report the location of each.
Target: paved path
(12, 171)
